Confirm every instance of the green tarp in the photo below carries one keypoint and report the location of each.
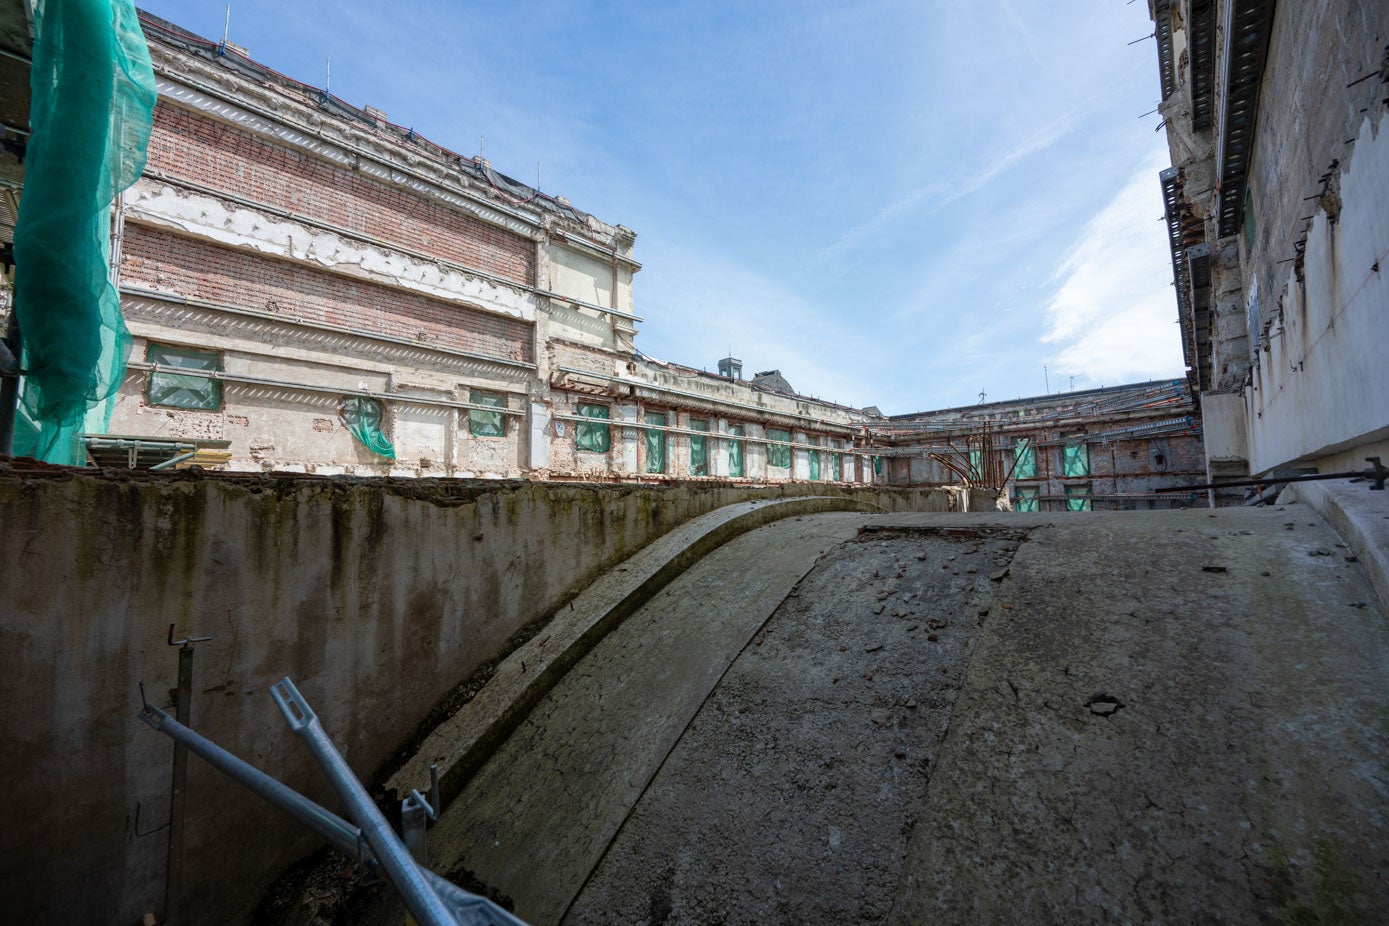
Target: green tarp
(1075, 460)
(1026, 500)
(735, 451)
(1077, 498)
(837, 463)
(814, 457)
(178, 390)
(486, 424)
(699, 448)
(92, 102)
(594, 437)
(362, 416)
(778, 454)
(1024, 459)
(656, 444)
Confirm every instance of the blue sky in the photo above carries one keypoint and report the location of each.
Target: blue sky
(900, 203)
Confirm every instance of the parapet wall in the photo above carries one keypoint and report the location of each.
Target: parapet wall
(377, 597)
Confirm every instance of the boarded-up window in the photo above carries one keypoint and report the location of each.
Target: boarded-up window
(837, 467)
(182, 390)
(735, 450)
(699, 447)
(1078, 498)
(1024, 459)
(486, 424)
(778, 454)
(1026, 500)
(976, 465)
(1075, 460)
(362, 416)
(814, 465)
(656, 443)
(593, 435)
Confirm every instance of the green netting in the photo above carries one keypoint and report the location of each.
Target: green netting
(976, 465)
(593, 437)
(180, 390)
(814, 457)
(1077, 498)
(778, 454)
(1026, 500)
(656, 444)
(699, 448)
(837, 467)
(1075, 460)
(363, 418)
(92, 103)
(735, 451)
(1024, 459)
(877, 465)
(486, 424)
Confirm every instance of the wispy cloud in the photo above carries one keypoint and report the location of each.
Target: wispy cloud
(939, 194)
(1113, 314)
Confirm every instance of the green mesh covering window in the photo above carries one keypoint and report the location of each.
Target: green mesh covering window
(180, 391)
(486, 424)
(1024, 459)
(656, 443)
(735, 450)
(91, 103)
(699, 448)
(1026, 500)
(1075, 460)
(837, 467)
(779, 454)
(1077, 498)
(594, 436)
(363, 416)
(814, 456)
(976, 465)
(877, 466)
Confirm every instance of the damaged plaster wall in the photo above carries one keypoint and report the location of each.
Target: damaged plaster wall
(377, 598)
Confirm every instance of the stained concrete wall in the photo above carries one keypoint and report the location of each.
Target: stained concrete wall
(1319, 383)
(377, 597)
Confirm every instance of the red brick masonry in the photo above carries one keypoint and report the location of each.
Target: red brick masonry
(201, 270)
(193, 147)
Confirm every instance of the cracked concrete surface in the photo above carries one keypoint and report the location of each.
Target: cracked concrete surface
(1165, 717)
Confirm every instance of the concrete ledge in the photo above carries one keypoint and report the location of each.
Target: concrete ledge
(462, 743)
(1360, 515)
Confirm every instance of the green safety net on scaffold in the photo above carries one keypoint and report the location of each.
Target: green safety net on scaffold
(93, 97)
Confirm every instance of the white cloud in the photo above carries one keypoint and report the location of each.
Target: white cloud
(1113, 315)
(940, 194)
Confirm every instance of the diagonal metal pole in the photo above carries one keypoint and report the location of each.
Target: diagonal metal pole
(469, 908)
(400, 869)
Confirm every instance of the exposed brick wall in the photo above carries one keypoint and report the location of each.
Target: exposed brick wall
(200, 149)
(200, 270)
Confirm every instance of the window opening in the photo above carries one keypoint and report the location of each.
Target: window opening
(699, 448)
(176, 390)
(1075, 460)
(486, 424)
(779, 454)
(363, 417)
(594, 435)
(656, 443)
(735, 450)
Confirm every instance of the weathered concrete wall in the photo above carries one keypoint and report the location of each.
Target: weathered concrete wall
(377, 597)
(1319, 384)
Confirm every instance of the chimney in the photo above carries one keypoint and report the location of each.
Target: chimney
(731, 368)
